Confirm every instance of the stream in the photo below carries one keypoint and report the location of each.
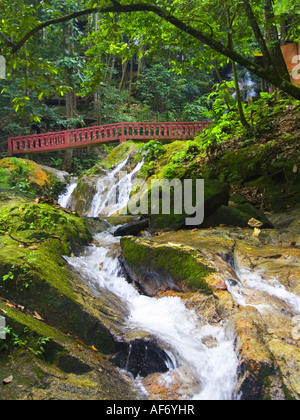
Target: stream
(200, 359)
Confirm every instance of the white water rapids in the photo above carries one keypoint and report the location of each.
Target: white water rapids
(170, 321)
(211, 370)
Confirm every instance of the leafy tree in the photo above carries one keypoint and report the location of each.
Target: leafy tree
(190, 18)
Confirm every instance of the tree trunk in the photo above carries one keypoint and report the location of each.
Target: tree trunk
(227, 98)
(70, 95)
(124, 69)
(239, 97)
(273, 41)
(235, 75)
(130, 83)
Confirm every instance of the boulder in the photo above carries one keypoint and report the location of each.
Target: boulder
(28, 177)
(141, 357)
(216, 194)
(133, 228)
(160, 267)
(237, 216)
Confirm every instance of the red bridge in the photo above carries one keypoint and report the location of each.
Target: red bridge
(93, 136)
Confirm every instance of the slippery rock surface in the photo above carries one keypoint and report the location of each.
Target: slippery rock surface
(61, 333)
(251, 280)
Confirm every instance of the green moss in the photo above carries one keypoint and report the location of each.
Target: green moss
(27, 176)
(184, 265)
(39, 278)
(42, 221)
(119, 153)
(64, 370)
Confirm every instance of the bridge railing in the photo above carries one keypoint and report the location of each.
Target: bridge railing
(91, 136)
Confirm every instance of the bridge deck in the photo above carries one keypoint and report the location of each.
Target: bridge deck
(93, 136)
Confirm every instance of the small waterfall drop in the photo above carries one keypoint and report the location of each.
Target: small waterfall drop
(65, 199)
(113, 191)
(211, 370)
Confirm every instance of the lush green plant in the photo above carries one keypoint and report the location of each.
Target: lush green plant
(152, 150)
(261, 114)
(26, 340)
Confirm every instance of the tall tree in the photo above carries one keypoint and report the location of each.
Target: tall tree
(196, 23)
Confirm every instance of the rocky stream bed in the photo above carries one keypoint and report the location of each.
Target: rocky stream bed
(147, 311)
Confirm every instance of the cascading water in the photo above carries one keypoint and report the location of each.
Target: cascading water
(65, 199)
(170, 321)
(211, 370)
(113, 195)
(269, 288)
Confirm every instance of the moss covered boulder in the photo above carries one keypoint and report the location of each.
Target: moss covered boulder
(43, 363)
(238, 216)
(159, 267)
(59, 335)
(27, 176)
(33, 239)
(216, 194)
(270, 169)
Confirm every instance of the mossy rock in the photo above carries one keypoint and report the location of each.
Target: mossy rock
(27, 176)
(280, 195)
(216, 194)
(46, 364)
(39, 279)
(271, 168)
(83, 194)
(42, 221)
(158, 267)
(237, 216)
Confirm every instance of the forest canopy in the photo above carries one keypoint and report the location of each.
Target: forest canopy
(169, 54)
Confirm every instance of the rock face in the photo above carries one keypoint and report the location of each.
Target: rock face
(27, 176)
(252, 282)
(160, 267)
(216, 194)
(237, 216)
(64, 335)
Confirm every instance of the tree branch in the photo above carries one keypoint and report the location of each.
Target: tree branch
(8, 42)
(270, 74)
(257, 32)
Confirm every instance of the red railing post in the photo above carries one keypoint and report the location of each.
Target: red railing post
(10, 146)
(123, 136)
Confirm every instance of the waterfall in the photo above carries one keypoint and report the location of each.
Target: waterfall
(249, 83)
(113, 195)
(211, 370)
(65, 199)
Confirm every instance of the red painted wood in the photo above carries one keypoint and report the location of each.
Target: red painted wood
(92, 136)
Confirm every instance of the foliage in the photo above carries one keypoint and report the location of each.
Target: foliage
(152, 150)
(261, 114)
(25, 340)
(27, 177)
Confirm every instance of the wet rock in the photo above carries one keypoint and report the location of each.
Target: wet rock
(157, 267)
(237, 216)
(96, 225)
(216, 194)
(142, 358)
(133, 228)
